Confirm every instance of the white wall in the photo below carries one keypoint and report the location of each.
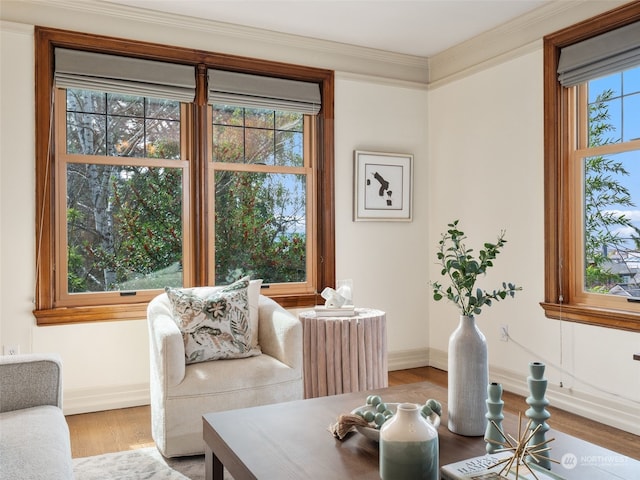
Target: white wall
(387, 260)
(17, 187)
(486, 169)
(477, 144)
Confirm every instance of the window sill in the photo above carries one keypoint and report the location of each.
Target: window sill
(66, 315)
(295, 301)
(601, 317)
(135, 311)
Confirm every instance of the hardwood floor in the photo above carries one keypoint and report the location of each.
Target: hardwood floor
(130, 428)
(110, 431)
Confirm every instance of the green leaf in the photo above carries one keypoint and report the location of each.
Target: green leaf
(462, 268)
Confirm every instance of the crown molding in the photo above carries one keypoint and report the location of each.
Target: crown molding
(509, 40)
(385, 81)
(512, 39)
(16, 27)
(112, 19)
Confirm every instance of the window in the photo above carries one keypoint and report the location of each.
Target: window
(608, 156)
(121, 179)
(147, 180)
(259, 163)
(592, 172)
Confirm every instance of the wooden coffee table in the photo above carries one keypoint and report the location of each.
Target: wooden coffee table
(292, 441)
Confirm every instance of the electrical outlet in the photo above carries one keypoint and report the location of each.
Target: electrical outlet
(11, 349)
(504, 333)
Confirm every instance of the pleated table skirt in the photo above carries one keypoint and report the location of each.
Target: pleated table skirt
(344, 354)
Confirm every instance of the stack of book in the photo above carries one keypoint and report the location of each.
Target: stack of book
(346, 311)
(479, 468)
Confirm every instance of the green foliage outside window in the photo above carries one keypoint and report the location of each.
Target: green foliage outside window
(603, 194)
(124, 223)
(134, 243)
(260, 218)
(256, 221)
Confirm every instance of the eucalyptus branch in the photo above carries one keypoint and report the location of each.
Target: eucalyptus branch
(462, 270)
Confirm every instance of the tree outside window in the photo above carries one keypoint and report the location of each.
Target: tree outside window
(612, 186)
(260, 214)
(124, 222)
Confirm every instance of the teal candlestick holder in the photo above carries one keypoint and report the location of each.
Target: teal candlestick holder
(494, 415)
(537, 413)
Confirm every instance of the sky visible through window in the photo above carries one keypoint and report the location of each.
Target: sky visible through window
(623, 107)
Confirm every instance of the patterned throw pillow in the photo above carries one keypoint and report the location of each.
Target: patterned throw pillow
(214, 326)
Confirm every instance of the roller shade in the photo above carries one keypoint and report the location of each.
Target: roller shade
(255, 91)
(131, 76)
(595, 57)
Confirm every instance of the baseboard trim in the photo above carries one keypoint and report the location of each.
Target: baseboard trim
(608, 410)
(405, 359)
(438, 359)
(87, 400)
(617, 413)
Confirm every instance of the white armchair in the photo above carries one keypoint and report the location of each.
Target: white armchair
(181, 394)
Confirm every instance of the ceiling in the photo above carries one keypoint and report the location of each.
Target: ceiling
(417, 27)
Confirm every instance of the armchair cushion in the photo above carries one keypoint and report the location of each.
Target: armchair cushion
(214, 324)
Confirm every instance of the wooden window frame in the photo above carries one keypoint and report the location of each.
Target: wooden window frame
(323, 202)
(66, 299)
(561, 234)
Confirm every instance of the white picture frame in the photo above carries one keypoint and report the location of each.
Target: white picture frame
(382, 186)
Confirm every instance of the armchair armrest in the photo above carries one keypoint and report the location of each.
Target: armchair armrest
(30, 380)
(166, 344)
(279, 333)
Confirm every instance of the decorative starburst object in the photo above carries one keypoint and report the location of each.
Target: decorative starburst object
(524, 455)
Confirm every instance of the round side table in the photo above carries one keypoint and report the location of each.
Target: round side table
(344, 354)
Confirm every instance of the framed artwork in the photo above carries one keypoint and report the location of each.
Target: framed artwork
(382, 186)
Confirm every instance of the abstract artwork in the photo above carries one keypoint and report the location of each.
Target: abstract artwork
(382, 186)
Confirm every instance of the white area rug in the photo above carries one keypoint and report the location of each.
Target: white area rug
(141, 464)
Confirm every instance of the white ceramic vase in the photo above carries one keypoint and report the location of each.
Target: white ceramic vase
(468, 379)
(408, 446)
